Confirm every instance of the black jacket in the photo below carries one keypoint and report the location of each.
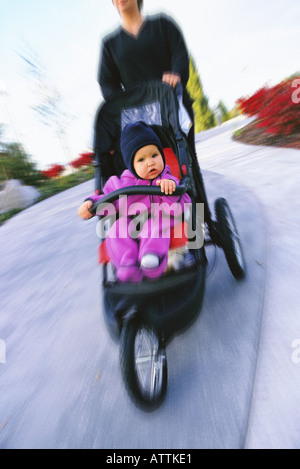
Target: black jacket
(127, 61)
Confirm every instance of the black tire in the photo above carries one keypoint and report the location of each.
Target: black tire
(229, 238)
(143, 364)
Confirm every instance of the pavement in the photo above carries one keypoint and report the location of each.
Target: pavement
(233, 376)
(273, 176)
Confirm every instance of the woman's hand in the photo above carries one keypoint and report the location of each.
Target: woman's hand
(83, 210)
(167, 186)
(171, 78)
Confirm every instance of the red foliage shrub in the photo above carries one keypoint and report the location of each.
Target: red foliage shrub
(54, 171)
(85, 159)
(276, 109)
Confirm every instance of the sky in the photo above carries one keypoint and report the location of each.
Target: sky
(238, 46)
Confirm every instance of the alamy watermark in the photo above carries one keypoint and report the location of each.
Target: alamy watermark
(296, 93)
(296, 353)
(2, 351)
(139, 222)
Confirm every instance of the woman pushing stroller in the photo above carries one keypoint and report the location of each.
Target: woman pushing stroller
(146, 253)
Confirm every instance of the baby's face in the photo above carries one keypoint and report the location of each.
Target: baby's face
(148, 162)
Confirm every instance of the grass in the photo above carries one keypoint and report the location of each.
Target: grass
(8, 215)
(237, 133)
(53, 186)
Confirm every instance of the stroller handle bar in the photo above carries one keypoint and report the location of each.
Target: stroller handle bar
(136, 190)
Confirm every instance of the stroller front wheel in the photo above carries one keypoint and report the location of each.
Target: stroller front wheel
(144, 364)
(229, 238)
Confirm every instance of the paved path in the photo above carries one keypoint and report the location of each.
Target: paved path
(273, 175)
(61, 385)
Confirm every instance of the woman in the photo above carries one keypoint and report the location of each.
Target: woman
(143, 49)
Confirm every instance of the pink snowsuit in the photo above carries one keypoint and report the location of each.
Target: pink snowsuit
(162, 213)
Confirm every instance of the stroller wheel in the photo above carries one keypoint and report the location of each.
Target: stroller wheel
(144, 364)
(229, 238)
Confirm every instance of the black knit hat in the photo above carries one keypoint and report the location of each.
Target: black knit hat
(135, 136)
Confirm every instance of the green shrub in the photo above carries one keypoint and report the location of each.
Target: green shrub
(16, 164)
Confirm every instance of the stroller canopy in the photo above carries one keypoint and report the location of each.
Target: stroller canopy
(154, 103)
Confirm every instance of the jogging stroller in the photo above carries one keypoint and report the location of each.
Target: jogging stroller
(145, 317)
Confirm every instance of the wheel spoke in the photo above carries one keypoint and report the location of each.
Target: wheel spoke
(148, 362)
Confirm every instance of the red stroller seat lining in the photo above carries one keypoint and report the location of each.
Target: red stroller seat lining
(172, 162)
(103, 256)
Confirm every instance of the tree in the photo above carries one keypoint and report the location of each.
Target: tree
(16, 164)
(224, 113)
(3, 154)
(204, 116)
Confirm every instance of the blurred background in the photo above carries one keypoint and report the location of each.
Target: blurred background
(49, 53)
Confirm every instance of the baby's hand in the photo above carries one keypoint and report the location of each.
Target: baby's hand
(167, 186)
(83, 210)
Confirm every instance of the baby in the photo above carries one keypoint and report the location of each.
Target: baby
(147, 254)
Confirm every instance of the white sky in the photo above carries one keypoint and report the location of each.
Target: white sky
(238, 46)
